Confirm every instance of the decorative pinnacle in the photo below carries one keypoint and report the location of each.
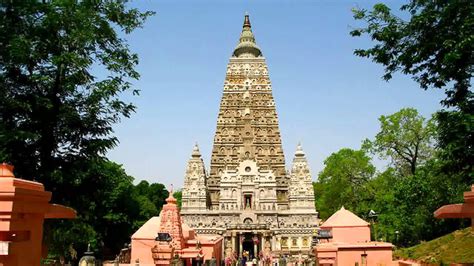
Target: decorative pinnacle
(196, 152)
(247, 46)
(171, 199)
(299, 150)
(247, 20)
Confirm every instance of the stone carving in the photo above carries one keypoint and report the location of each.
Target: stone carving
(194, 192)
(301, 188)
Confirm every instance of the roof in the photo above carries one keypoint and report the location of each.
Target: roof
(344, 218)
(149, 230)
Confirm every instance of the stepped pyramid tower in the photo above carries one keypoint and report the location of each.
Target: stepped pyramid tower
(248, 196)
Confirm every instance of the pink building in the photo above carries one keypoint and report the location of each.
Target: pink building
(24, 205)
(350, 243)
(460, 210)
(183, 242)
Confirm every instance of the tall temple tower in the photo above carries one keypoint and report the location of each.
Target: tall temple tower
(248, 196)
(247, 125)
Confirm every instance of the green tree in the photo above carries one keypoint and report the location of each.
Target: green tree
(106, 211)
(156, 193)
(343, 181)
(53, 109)
(56, 115)
(435, 46)
(406, 138)
(409, 203)
(178, 194)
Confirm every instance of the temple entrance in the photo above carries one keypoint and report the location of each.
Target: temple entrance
(196, 261)
(249, 246)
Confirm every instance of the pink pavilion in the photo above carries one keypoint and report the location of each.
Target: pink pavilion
(350, 243)
(460, 210)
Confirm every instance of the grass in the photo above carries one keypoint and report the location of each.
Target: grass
(457, 247)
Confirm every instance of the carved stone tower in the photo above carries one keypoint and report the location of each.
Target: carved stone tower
(301, 184)
(248, 196)
(247, 124)
(194, 190)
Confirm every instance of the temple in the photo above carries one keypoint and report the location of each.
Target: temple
(164, 237)
(248, 196)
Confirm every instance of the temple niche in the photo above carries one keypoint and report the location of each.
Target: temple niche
(248, 197)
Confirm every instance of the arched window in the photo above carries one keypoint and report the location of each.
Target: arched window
(248, 221)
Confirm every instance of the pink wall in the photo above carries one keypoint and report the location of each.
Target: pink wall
(350, 234)
(375, 257)
(141, 249)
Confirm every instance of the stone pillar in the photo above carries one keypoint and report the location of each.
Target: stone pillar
(240, 244)
(255, 249)
(233, 241)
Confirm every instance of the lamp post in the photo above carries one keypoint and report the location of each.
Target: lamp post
(373, 216)
(396, 236)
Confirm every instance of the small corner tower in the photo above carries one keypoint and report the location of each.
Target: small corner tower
(170, 222)
(301, 184)
(194, 190)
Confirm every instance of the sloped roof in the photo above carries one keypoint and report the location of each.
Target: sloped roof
(149, 230)
(344, 218)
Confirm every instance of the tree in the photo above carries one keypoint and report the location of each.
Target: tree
(407, 204)
(178, 194)
(156, 193)
(56, 115)
(342, 181)
(106, 214)
(435, 46)
(406, 138)
(53, 110)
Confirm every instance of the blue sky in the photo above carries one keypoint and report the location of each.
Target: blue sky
(326, 97)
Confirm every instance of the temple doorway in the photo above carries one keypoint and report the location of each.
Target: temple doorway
(248, 245)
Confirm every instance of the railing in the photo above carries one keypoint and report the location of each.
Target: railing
(248, 226)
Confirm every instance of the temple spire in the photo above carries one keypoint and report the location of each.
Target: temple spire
(301, 183)
(299, 150)
(194, 189)
(247, 20)
(196, 152)
(247, 46)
